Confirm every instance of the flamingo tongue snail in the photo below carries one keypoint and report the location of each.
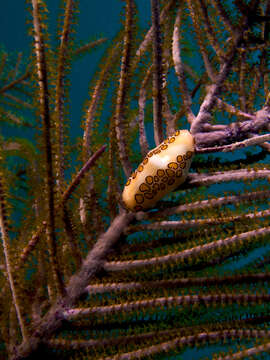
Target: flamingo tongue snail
(164, 168)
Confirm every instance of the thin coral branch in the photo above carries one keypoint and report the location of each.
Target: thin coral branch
(213, 91)
(124, 82)
(14, 71)
(255, 140)
(80, 344)
(37, 233)
(205, 204)
(4, 57)
(12, 117)
(242, 76)
(148, 37)
(233, 132)
(188, 340)
(208, 67)
(176, 283)
(15, 82)
(45, 115)
(233, 110)
(59, 93)
(157, 73)
(166, 63)
(89, 46)
(165, 302)
(31, 245)
(18, 101)
(88, 131)
(6, 245)
(191, 224)
(95, 97)
(72, 240)
(189, 253)
(76, 286)
(202, 9)
(248, 352)
(179, 70)
(96, 256)
(254, 88)
(233, 175)
(82, 173)
(141, 102)
(224, 16)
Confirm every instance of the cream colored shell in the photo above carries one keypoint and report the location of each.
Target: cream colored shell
(163, 170)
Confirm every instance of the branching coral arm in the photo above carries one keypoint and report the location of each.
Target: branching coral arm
(15, 82)
(122, 90)
(208, 67)
(256, 350)
(141, 102)
(176, 283)
(157, 73)
(42, 227)
(82, 173)
(166, 301)
(191, 339)
(189, 224)
(205, 204)
(233, 175)
(232, 109)
(148, 37)
(202, 9)
(76, 286)
(189, 253)
(179, 68)
(255, 140)
(213, 91)
(93, 103)
(233, 132)
(6, 244)
(59, 100)
(222, 13)
(45, 115)
(181, 339)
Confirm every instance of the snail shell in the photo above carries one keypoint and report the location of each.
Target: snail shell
(164, 168)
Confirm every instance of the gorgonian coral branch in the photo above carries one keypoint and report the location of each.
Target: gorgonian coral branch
(177, 283)
(224, 16)
(81, 173)
(157, 73)
(141, 103)
(233, 175)
(256, 350)
(202, 9)
(191, 224)
(124, 83)
(185, 254)
(15, 82)
(148, 37)
(180, 70)
(184, 300)
(205, 204)
(6, 246)
(59, 94)
(191, 339)
(46, 120)
(76, 286)
(254, 140)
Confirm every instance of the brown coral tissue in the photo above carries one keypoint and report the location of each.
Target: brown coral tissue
(82, 275)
